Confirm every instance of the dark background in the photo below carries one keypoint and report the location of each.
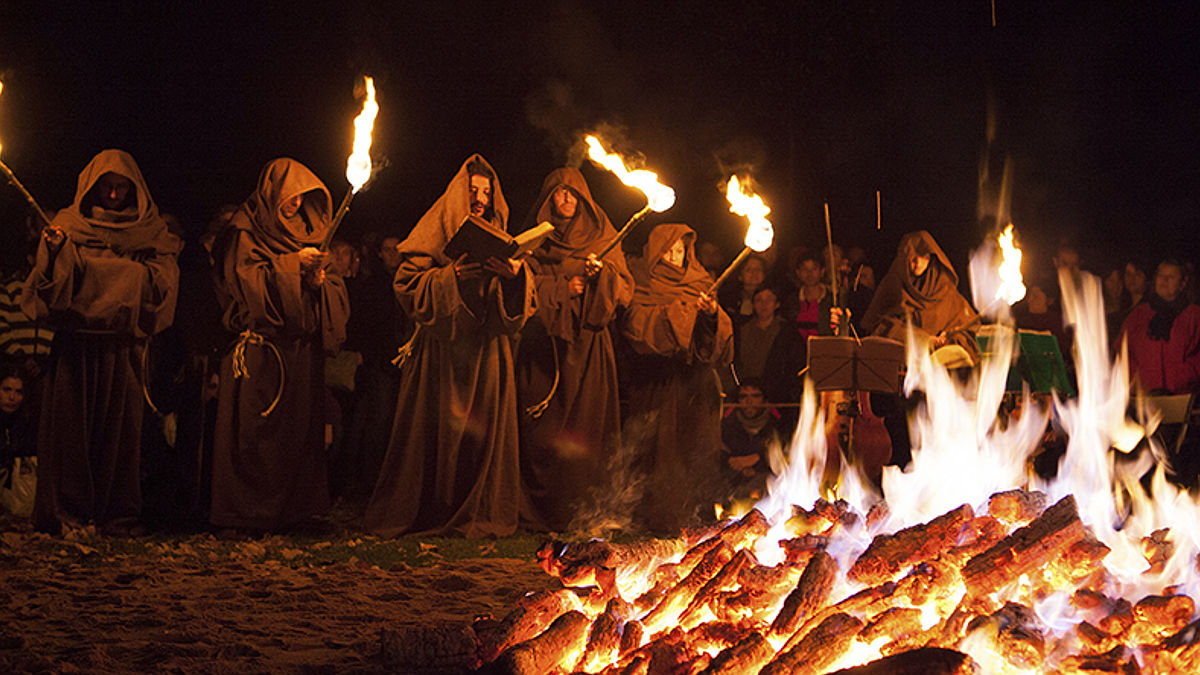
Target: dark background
(1094, 104)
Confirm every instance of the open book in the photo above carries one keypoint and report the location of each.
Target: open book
(481, 241)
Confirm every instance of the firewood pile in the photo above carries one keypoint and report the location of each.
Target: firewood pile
(936, 598)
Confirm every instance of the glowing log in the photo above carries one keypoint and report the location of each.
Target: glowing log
(723, 580)
(527, 620)
(890, 554)
(543, 653)
(819, 649)
(925, 661)
(1025, 550)
(810, 594)
(747, 656)
(679, 596)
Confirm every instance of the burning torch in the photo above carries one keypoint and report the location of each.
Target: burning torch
(659, 197)
(759, 233)
(12, 178)
(358, 164)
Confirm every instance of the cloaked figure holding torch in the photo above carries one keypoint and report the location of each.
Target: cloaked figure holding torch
(678, 335)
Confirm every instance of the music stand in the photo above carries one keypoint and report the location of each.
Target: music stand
(846, 364)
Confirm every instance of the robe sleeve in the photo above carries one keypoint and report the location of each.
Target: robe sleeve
(611, 290)
(662, 329)
(126, 294)
(267, 289)
(426, 292)
(712, 341)
(334, 308)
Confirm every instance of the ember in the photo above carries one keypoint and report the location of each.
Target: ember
(1024, 577)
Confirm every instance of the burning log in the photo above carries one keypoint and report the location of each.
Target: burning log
(747, 656)
(1160, 616)
(1094, 640)
(1026, 549)
(1157, 549)
(869, 601)
(761, 577)
(1119, 619)
(1016, 633)
(604, 638)
(1080, 561)
(723, 580)
(1017, 507)
(577, 563)
(632, 636)
(823, 515)
(821, 647)
(924, 661)
(531, 616)
(1113, 661)
(541, 654)
(979, 535)
(901, 625)
(801, 549)
(810, 594)
(678, 598)
(890, 554)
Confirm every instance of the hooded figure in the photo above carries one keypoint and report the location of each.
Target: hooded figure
(672, 386)
(106, 277)
(925, 292)
(566, 368)
(452, 464)
(269, 464)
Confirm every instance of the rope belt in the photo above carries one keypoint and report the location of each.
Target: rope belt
(249, 337)
(146, 379)
(535, 411)
(405, 350)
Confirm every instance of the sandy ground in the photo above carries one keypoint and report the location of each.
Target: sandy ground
(83, 603)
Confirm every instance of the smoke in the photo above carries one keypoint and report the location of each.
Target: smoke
(612, 504)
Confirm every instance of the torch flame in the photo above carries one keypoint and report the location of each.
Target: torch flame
(1012, 287)
(358, 165)
(744, 202)
(659, 197)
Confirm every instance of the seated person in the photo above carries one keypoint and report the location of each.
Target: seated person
(749, 435)
(1164, 335)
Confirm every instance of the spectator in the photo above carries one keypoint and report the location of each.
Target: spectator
(737, 298)
(750, 435)
(1164, 335)
(767, 350)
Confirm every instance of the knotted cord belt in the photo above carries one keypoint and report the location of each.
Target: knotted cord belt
(535, 411)
(405, 350)
(249, 337)
(146, 379)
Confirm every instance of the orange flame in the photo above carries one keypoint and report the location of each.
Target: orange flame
(659, 197)
(358, 165)
(743, 202)
(1012, 287)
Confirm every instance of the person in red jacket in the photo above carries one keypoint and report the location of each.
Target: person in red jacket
(1163, 335)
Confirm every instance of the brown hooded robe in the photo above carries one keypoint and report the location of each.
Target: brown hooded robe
(112, 285)
(932, 300)
(270, 472)
(452, 464)
(565, 450)
(673, 393)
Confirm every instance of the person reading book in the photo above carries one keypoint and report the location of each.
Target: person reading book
(451, 464)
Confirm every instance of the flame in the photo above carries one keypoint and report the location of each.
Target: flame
(1012, 288)
(358, 165)
(659, 197)
(743, 202)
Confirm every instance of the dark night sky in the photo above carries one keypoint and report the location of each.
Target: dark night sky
(1094, 105)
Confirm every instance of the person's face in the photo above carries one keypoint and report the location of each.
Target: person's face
(710, 255)
(675, 255)
(753, 273)
(481, 194)
(291, 206)
(388, 252)
(751, 397)
(112, 190)
(12, 392)
(1135, 280)
(1068, 260)
(918, 264)
(343, 261)
(765, 304)
(1168, 282)
(565, 202)
(809, 273)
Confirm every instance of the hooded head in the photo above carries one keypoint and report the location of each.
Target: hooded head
(581, 226)
(113, 207)
(447, 214)
(291, 208)
(659, 279)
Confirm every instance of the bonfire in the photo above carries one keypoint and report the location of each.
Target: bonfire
(966, 562)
